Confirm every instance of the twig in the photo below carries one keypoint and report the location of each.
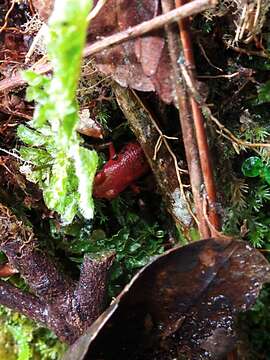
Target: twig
(214, 232)
(157, 22)
(16, 156)
(191, 148)
(3, 27)
(96, 9)
(6, 110)
(162, 138)
(177, 2)
(207, 112)
(31, 7)
(190, 9)
(226, 76)
(159, 142)
(234, 139)
(247, 52)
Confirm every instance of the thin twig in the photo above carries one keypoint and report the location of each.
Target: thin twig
(162, 138)
(16, 156)
(31, 7)
(7, 110)
(3, 27)
(235, 139)
(226, 76)
(202, 49)
(207, 112)
(94, 12)
(247, 52)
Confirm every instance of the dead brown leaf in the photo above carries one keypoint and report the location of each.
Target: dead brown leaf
(142, 64)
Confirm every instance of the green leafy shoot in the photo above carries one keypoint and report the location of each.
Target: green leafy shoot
(55, 158)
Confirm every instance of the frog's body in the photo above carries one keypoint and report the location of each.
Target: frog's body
(120, 171)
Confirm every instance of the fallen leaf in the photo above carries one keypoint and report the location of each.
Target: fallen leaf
(142, 64)
(184, 303)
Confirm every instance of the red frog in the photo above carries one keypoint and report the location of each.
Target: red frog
(120, 171)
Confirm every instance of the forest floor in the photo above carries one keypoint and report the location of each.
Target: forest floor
(153, 197)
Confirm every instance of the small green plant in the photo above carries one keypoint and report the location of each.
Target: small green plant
(263, 94)
(134, 240)
(22, 339)
(54, 155)
(251, 210)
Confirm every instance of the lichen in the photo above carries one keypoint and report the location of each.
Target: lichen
(180, 208)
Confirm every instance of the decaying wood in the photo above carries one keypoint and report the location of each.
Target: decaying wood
(188, 133)
(58, 302)
(190, 9)
(162, 165)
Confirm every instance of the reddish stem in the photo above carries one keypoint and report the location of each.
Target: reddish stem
(190, 144)
(203, 149)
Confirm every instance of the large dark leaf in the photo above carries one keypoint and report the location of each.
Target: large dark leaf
(184, 303)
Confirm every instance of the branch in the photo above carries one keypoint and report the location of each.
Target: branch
(37, 268)
(203, 149)
(223, 131)
(59, 304)
(190, 9)
(90, 293)
(157, 22)
(190, 144)
(24, 303)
